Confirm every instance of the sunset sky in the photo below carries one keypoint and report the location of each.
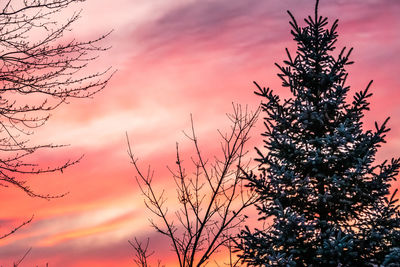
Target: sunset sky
(174, 58)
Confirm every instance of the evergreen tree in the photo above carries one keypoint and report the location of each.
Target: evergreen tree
(322, 196)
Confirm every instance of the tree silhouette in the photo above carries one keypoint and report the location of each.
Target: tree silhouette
(39, 71)
(322, 197)
(212, 199)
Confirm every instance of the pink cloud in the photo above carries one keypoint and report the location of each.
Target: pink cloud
(175, 58)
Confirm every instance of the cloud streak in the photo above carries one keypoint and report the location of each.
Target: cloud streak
(175, 57)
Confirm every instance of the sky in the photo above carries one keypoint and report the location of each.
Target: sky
(174, 58)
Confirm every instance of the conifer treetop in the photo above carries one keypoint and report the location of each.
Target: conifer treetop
(320, 189)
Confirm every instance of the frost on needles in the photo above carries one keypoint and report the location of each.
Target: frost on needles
(324, 198)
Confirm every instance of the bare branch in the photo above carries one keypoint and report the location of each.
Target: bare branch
(40, 69)
(16, 228)
(142, 253)
(37, 75)
(212, 198)
(23, 257)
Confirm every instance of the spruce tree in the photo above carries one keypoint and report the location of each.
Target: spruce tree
(322, 197)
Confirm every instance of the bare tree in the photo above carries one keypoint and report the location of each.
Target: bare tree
(212, 198)
(142, 254)
(39, 70)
